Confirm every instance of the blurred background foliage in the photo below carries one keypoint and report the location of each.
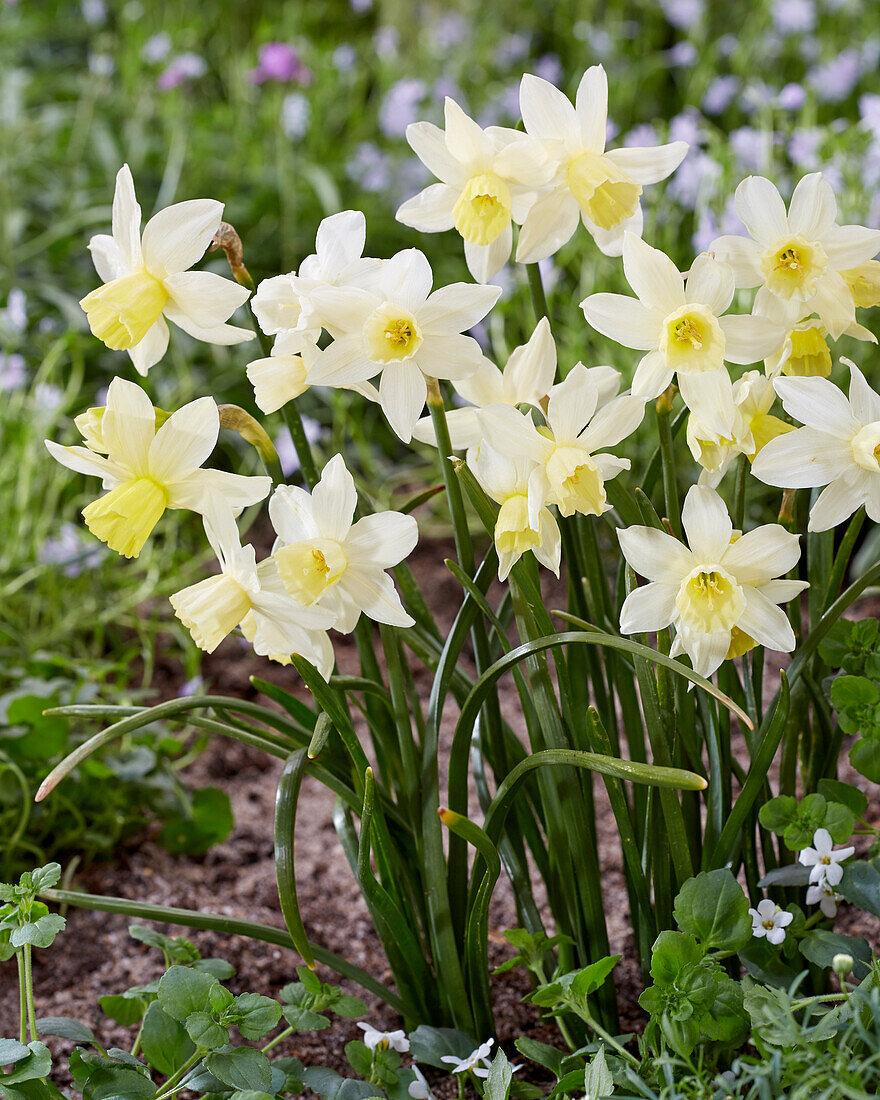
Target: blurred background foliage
(288, 112)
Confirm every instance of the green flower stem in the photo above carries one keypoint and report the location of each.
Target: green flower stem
(27, 952)
(536, 286)
(22, 999)
(739, 494)
(610, 1040)
(136, 1045)
(307, 464)
(278, 1038)
(463, 547)
(171, 1085)
(841, 558)
(667, 454)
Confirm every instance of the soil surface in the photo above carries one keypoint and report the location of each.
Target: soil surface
(95, 955)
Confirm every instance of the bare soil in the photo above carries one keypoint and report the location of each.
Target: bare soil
(95, 955)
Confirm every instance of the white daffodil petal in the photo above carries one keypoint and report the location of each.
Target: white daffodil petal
(207, 299)
(571, 404)
(546, 112)
(292, 514)
(406, 279)
(531, 368)
(613, 422)
(709, 396)
(711, 283)
(486, 260)
(334, 499)
(819, 404)
(150, 350)
(649, 165)
(513, 433)
(610, 241)
(224, 335)
(836, 503)
(591, 105)
(801, 459)
(813, 207)
(212, 489)
(465, 139)
(127, 220)
(765, 622)
(652, 376)
(655, 555)
(833, 301)
(402, 393)
(456, 307)
(626, 320)
(107, 257)
(128, 424)
(382, 540)
(761, 554)
(864, 401)
(706, 523)
(453, 356)
(428, 142)
(850, 245)
(177, 237)
(652, 275)
(340, 240)
(375, 594)
(430, 211)
(341, 364)
(185, 440)
(749, 338)
(648, 609)
(83, 461)
(743, 255)
(549, 224)
(761, 209)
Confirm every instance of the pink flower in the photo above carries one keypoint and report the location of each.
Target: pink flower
(278, 61)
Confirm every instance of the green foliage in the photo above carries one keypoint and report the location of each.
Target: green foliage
(797, 822)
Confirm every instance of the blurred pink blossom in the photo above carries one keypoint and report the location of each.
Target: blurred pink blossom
(278, 61)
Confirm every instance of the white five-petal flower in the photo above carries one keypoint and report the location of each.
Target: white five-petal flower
(325, 560)
(825, 896)
(568, 472)
(680, 325)
(248, 595)
(600, 188)
(487, 179)
(719, 592)
(800, 254)
(477, 1062)
(147, 279)
(148, 469)
(373, 1038)
(770, 921)
(401, 329)
(839, 447)
(824, 862)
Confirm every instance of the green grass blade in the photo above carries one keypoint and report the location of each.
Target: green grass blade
(286, 800)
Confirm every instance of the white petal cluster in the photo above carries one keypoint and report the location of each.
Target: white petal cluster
(148, 281)
(680, 324)
(384, 1040)
(824, 861)
(149, 465)
(838, 447)
(770, 921)
(800, 256)
(720, 592)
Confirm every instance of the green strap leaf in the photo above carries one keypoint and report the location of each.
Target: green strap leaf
(286, 800)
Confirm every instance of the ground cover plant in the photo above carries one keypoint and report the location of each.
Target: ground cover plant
(724, 466)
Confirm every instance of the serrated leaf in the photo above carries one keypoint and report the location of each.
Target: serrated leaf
(845, 793)
(164, 1041)
(498, 1079)
(545, 1055)
(255, 1015)
(713, 908)
(38, 933)
(241, 1068)
(303, 1019)
(205, 1032)
(65, 1028)
(598, 1081)
(329, 1085)
(183, 991)
(124, 1010)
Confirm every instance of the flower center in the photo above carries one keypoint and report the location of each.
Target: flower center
(211, 609)
(740, 643)
(120, 313)
(792, 268)
(825, 859)
(575, 481)
(769, 925)
(513, 535)
(308, 569)
(692, 341)
(809, 352)
(709, 600)
(482, 210)
(124, 517)
(607, 195)
(391, 334)
(866, 447)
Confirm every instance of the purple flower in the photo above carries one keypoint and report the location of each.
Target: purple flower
(836, 79)
(548, 68)
(869, 111)
(756, 94)
(193, 686)
(361, 6)
(706, 232)
(611, 129)
(278, 61)
(803, 147)
(687, 127)
(751, 147)
(792, 97)
(369, 167)
(794, 16)
(719, 94)
(344, 58)
(186, 66)
(385, 42)
(683, 14)
(642, 135)
(682, 55)
(450, 30)
(157, 48)
(13, 373)
(511, 49)
(14, 316)
(695, 179)
(70, 552)
(287, 455)
(401, 106)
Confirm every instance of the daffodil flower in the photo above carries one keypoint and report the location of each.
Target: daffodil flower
(803, 351)
(719, 592)
(601, 188)
(147, 279)
(680, 325)
(384, 1040)
(399, 328)
(506, 480)
(771, 921)
(148, 468)
(753, 427)
(799, 255)
(823, 860)
(839, 447)
(525, 380)
(487, 180)
(568, 472)
(248, 595)
(326, 560)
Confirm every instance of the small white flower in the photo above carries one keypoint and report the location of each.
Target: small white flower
(720, 594)
(401, 329)
(679, 324)
(839, 447)
(382, 1040)
(799, 254)
(824, 862)
(487, 179)
(825, 896)
(419, 1089)
(770, 921)
(148, 469)
(477, 1062)
(249, 595)
(568, 472)
(325, 560)
(147, 279)
(600, 188)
